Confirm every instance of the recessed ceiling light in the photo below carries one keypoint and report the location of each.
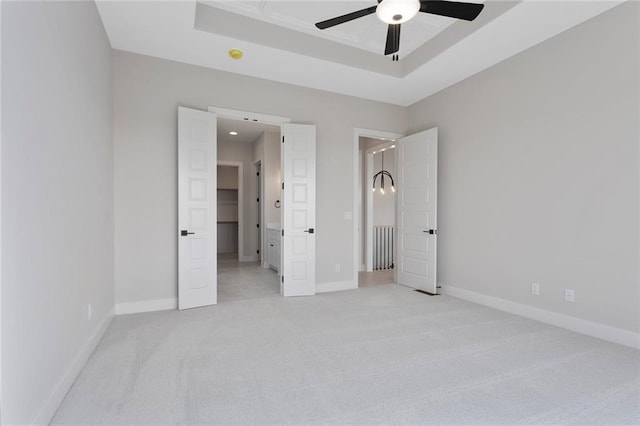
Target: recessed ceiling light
(233, 133)
(236, 53)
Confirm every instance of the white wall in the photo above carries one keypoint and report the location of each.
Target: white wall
(57, 200)
(538, 174)
(147, 92)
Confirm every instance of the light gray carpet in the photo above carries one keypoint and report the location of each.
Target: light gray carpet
(378, 355)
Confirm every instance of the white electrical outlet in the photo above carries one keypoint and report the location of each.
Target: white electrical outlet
(569, 295)
(348, 216)
(338, 267)
(535, 289)
(89, 311)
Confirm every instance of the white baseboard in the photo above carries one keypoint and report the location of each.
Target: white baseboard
(146, 306)
(336, 286)
(601, 331)
(248, 258)
(44, 415)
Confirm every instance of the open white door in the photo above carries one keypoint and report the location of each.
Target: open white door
(197, 176)
(417, 208)
(298, 248)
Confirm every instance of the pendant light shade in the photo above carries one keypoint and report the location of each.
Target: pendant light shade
(382, 173)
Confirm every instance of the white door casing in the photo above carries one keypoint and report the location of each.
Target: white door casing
(416, 218)
(298, 248)
(197, 183)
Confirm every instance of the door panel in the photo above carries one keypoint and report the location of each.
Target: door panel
(299, 210)
(417, 210)
(197, 175)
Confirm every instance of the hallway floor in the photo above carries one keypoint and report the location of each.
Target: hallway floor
(244, 280)
(374, 278)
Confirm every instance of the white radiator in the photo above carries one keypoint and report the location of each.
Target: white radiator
(383, 247)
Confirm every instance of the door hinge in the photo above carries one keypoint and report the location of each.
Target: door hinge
(282, 185)
(258, 251)
(283, 139)
(257, 225)
(257, 200)
(282, 278)
(257, 173)
(283, 232)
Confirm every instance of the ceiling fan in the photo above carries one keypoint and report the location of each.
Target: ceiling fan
(396, 12)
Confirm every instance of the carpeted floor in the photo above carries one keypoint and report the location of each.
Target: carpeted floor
(377, 355)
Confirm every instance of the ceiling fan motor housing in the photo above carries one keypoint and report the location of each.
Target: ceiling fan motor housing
(397, 11)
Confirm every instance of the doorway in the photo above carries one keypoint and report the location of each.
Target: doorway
(229, 197)
(378, 245)
(201, 140)
(360, 190)
(241, 162)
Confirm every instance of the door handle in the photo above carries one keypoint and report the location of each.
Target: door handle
(431, 231)
(310, 230)
(184, 233)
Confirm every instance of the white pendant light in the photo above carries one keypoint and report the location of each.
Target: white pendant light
(397, 11)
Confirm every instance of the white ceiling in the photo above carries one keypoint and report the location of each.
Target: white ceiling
(280, 42)
(248, 131)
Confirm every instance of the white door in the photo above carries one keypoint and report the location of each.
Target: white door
(417, 208)
(298, 248)
(197, 181)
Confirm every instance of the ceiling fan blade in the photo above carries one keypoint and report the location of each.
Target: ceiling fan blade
(393, 39)
(452, 9)
(346, 18)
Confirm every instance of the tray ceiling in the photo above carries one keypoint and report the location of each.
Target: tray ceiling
(281, 43)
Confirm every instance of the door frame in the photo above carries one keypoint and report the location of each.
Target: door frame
(238, 165)
(257, 165)
(357, 188)
(234, 114)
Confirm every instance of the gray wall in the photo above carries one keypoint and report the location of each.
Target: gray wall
(538, 173)
(147, 92)
(272, 177)
(266, 149)
(227, 177)
(57, 200)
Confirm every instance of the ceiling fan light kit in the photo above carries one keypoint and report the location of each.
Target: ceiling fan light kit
(396, 12)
